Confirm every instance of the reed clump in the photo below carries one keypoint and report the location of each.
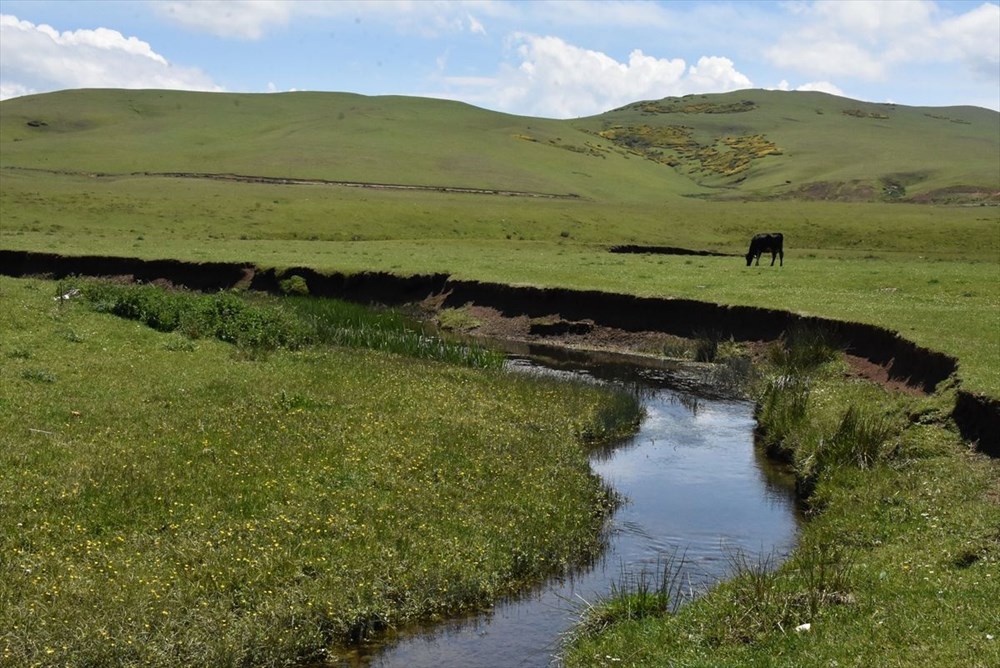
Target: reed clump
(257, 324)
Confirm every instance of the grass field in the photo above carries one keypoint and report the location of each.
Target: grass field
(174, 501)
(128, 506)
(895, 265)
(840, 186)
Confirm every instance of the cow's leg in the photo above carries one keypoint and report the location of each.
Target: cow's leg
(757, 263)
(781, 254)
(773, 257)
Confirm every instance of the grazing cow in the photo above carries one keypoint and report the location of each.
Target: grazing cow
(766, 243)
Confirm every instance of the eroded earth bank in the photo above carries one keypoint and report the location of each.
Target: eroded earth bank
(588, 317)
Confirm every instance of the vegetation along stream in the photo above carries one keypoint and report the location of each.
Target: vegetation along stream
(697, 496)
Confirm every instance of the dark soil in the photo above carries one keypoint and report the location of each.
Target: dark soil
(583, 319)
(492, 324)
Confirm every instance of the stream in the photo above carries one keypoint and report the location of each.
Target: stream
(697, 492)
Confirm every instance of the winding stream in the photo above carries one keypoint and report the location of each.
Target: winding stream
(696, 492)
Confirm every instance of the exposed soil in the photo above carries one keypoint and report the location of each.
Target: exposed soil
(553, 330)
(573, 318)
(665, 250)
(587, 335)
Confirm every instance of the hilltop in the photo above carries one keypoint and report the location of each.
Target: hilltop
(745, 145)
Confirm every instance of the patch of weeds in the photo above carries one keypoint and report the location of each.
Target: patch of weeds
(296, 402)
(862, 440)
(617, 417)
(756, 600)
(636, 595)
(733, 375)
(72, 336)
(823, 569)
(38, 375)
(783, 410)
(225, 316)
(761, 599)
(294, 285)
(457, 320)
(802, 349)
(706, 346)
(19, 353)
(678, 349)
(179, 344)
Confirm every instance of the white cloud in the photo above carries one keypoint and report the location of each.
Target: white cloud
(245, 19)
(972, 37)
(714, 74)
(38, 58)
(475, 27)
(871, 40)
(253, 19)
(873, 20)
(822, 87)
(556, 79)
(817, 52)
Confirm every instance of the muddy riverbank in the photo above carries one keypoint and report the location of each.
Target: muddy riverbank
(897, 359)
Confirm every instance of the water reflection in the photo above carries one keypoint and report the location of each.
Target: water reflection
(695, 486)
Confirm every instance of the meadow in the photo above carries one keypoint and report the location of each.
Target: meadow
(170, 500)
(131, 505)
(931, 272)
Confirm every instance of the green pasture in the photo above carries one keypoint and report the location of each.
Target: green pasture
(931, 272)
(81, 172)
(818, 138)
(171, 501)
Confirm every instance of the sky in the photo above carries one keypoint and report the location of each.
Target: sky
(554, 59)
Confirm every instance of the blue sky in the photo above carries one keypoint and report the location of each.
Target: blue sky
(557, 59)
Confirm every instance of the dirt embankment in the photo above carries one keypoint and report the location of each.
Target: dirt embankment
(978, 417)
(665, 250)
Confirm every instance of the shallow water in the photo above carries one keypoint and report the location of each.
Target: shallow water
(696, 493)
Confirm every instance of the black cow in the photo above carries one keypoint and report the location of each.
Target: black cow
(766, 243)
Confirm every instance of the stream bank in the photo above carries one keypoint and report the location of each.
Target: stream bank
(897, 359)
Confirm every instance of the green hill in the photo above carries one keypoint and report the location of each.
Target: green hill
(747, 144)
(815, 145)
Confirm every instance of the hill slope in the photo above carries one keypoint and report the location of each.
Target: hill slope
(748, 144)
(815, 146)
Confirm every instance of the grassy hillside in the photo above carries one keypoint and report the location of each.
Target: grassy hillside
(815, 145)
(763, 143)
(307, 135)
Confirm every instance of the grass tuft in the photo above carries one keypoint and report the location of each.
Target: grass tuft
(637, 595)
(802, 349)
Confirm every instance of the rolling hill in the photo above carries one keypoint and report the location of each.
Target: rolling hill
(746, 145)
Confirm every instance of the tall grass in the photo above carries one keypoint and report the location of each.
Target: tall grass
(335, 322)
(783, 408)
(636, 595)
(258, 325)
(802, 349)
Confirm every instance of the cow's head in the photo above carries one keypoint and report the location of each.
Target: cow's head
(749, 258)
